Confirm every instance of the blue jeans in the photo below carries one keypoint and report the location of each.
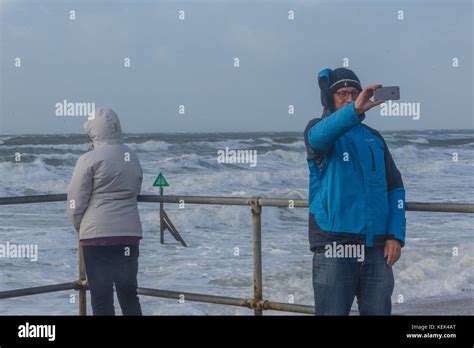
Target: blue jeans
(336, 281)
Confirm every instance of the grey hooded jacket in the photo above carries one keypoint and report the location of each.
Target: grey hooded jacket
(102, 194)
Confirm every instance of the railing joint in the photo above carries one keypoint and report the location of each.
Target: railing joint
(255, 205)
(80, 285)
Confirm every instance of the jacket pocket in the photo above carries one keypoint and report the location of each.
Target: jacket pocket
(376, 163)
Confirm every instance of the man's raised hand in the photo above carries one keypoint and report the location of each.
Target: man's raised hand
(363, 102)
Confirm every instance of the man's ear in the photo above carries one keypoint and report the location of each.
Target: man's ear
(333, 101)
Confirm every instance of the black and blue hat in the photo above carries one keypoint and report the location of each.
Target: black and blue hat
(342, 77)
(331, 80)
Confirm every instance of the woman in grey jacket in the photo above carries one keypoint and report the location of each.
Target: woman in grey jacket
(102, 206)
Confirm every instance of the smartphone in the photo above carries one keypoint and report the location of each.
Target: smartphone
(387, 93)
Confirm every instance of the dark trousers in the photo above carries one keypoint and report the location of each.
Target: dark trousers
(109, 265)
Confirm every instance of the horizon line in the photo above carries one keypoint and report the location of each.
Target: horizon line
(250, 132)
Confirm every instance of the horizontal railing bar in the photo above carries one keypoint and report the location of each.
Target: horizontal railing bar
(195, 199)
(288, 307)
(188, 296)
(38, 290)
(283, 203)
(295, 308)
(440, 207)
(33, 199)
(269, 202)
(230, 301)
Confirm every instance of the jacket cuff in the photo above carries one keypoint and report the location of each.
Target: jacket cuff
(360, 117)
(402, 242)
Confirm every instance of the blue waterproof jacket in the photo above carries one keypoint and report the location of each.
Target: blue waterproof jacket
(356, 192)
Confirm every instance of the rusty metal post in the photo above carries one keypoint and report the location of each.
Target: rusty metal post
(257, 255)
(82, 281)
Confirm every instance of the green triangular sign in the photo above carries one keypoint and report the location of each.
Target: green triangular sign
(160, 181)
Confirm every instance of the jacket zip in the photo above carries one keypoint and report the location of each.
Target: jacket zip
(373, 159)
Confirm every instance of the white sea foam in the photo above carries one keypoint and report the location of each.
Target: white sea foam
(150, 145)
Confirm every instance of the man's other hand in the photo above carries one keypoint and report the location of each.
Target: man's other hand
(392, 251)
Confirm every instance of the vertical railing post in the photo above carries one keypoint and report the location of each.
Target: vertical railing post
(257, 255)
(162, 226)
(82, 281)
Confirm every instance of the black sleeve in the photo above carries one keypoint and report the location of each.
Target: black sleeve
(392, 174)
(315, 155)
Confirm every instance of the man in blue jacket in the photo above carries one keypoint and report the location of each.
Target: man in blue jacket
(356, 201)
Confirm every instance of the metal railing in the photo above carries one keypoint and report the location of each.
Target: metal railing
(257, 303)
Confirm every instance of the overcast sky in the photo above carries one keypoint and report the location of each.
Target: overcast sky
(191, 62)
